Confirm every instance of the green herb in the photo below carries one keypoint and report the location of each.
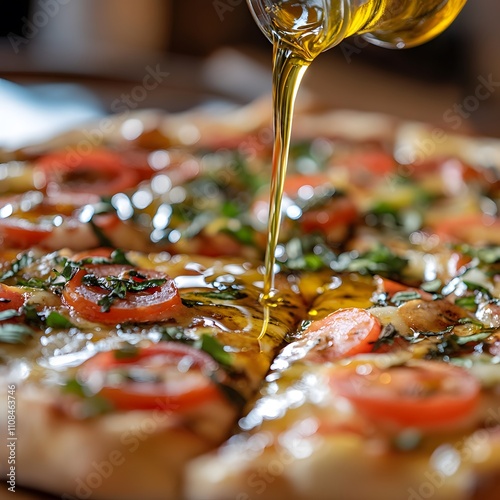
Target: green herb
(41, 319)
(387, 337)
(231, 293)
(400, 297)
(379, 260)
(192, 303)
(477, 337)
(57, 320)
(128, 351)
(468, 302)
(104, 241)
(475, 287)
(174, 333)
(12, 333)
(118, 257)
(244, 234)
(119, 287)
(93, 405)
(432, 286)
(24, 261)
(8, 314)
(486, 255)
(231, 394)
(213, 347)
(33, 283)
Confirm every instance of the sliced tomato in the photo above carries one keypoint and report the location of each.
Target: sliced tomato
(95, 252)
(367, 167)
(474, 229)
(423, 395)
(19, 233)
(92, 301)
(10, 299)
(391, 288)
(168, 376)
(338, 211)
(100, 172)
(343, 333)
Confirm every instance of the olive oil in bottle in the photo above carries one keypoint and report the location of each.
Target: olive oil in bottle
(300, 30)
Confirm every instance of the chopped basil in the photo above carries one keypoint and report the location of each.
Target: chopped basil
(118, 257)
(477, 337)
(24, 261)
(468, 302)
(400, 297)
(104, 241)
(432, 286)
(386, 337)
(213, 347)
(380, 260)
(93, 405)
(119, 287)
(53, 319)
(12, 333)
(57, 320)
(486, 255)
(8, 314)
(230, 293)
(475, 287)
(192, 303)
(174, 333)
(127, 351)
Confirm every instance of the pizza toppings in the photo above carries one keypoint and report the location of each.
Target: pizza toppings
(421, 394)
(169, 376)
(343, 333)
(121, 294)
(99, 173)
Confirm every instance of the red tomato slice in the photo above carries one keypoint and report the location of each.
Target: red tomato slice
(10, 298)
(100, 172)
(336, 212)
(368, 167)
(169, 376)
(20, 233)
(474, 229)
(343, 333)
(156, 303)
(390, 287)
(423, 395)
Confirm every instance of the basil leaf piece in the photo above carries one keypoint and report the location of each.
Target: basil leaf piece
(24, 261)
(225, 294)
(213, 347)
(12, 333)
(57, 320)
(8, 314)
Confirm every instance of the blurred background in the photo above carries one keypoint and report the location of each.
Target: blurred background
(78, 59)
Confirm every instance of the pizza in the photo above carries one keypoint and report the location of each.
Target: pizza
(136, 359)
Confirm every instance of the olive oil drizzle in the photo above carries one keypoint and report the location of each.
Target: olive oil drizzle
(302, 30)
(288, 70)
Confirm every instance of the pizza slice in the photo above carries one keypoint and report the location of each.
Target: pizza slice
(125, 366)
(388, 390)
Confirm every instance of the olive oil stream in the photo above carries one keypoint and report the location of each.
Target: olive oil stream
(299, 31)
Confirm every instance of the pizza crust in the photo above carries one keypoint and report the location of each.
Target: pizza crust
(126, 455)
